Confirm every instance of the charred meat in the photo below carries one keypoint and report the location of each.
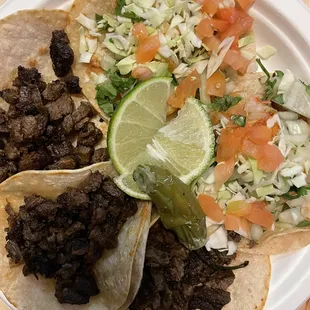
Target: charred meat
(61, 53)
(63, 239)
(176, 278)
(38, 129)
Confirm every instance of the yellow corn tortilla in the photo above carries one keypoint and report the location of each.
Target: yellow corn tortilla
(25, 39)
(113, 271)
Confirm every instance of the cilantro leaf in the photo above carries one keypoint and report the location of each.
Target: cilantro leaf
(98, 18)
(263, 68)
(106, 94)
(222, 104)
(239, 120)
(278, 99)
(304, 224)
(307, 87)
(131, 15)
(121, 84)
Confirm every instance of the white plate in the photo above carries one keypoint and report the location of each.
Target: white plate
(285, 25)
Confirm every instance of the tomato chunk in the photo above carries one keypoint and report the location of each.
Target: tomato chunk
(204, 29)
(228, 14)
(238, 224)
(260, 134)
(235, 60)
(187, 88)
(271, 159)
(220, 25)
(147, 49)
(211, 208)
(216, 84)
(212, 43)
(245, 4)
(223, 171)
(140, 31)
(210, 6)
(251, 149)
(261, 217)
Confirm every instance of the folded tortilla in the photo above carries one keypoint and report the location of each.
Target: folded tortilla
(113, 271)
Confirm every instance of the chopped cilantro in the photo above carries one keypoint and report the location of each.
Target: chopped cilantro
(174, 81)
(304, 224)
(106, 94)
(278, 99)
(222, 104)
(98, 18)
(295, 192)
(122, 84)
(239, 120)
(307, 87)
(131, 15)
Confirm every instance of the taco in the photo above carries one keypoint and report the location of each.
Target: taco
(46, 121)
(112, 272)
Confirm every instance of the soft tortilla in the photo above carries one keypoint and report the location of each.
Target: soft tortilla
(250, 288)
(25, 39)
(83, 71)
(114, 269)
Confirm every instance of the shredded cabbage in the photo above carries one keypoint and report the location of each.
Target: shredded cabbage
(86, 22)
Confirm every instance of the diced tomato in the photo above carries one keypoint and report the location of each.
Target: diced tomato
(140, 31)
(275, 130)
(223, 171)
(147, 49)
(245, 4)
(229, 145)
(212, 43)
(220, 25)
(239, 208)
(237, 109)
(271, 159)
(251, 149)
(228, 14)
(238, 224)
(261, 217)
(187, 88)
(216, 84)
(204, 29)
(235, 60)
(211, 208)
(260, 134)
(241, 25)
(210, 6)
(259, 204)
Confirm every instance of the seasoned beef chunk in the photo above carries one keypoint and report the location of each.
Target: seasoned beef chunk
(60, 108)
(84, 155)
(27, 77)
(54, 90)
(28, 127)
(33, 161)
(64, 239)
(89, 135)
(11, 151)
(67, 124)
(73, 84)
(67, 162)
(61, 149)
(61, 53)
(10, 95)
(179, 279)
(100, 155)
(84, 110)
(41, 125)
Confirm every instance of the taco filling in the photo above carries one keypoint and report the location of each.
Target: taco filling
(63, 238)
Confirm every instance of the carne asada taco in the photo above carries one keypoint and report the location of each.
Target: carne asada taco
(59, 223)
(46, 122)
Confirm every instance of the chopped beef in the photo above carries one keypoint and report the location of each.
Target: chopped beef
(33, 161)
(100, 155)
(84, 154)
(61, 53)
(54, 90)
(73, 84)
(43, 129)
(89, 135)
(10, 95)
(179, 279)
(67, 162)
(63, 239)
(84, 110)
(60, 108)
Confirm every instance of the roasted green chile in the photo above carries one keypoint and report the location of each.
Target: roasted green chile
(176, 204)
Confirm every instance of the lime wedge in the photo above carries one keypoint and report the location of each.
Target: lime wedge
(138, 135)
(136, 120)
(185, 146)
